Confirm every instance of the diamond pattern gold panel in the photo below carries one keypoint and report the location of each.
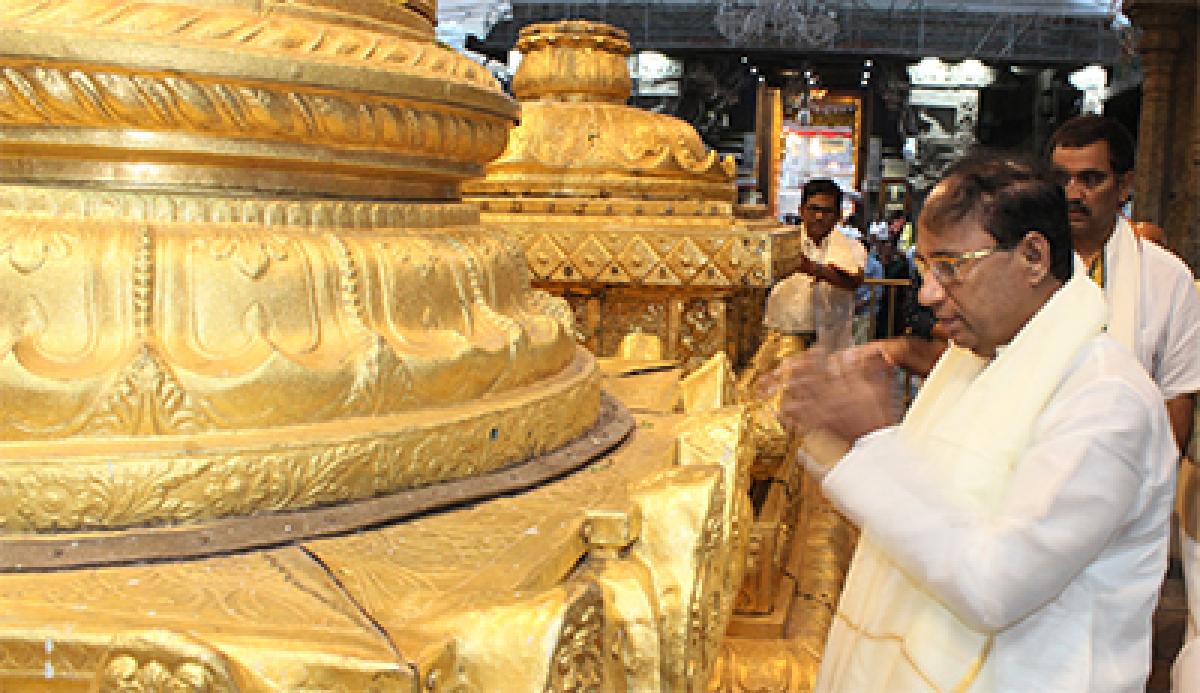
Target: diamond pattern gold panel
(737, 258)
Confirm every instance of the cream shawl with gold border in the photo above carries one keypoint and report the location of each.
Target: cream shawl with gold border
(971, 422)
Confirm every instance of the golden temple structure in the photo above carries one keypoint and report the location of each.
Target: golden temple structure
(630, 218)
(626, 213)
(253, 340)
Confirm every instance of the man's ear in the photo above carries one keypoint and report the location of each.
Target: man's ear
(1034, 254)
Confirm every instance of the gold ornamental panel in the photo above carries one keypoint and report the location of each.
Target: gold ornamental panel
(156, 345)
(650, 253)
(97, 483)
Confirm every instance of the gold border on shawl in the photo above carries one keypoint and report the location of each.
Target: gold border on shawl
(967, 680)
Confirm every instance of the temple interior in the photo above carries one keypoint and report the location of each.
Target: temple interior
(411, 360)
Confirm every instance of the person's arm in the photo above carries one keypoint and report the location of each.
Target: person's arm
(1069, 492)
(828, 273)
(1181, 410)
(836, 276)
(1177, 367)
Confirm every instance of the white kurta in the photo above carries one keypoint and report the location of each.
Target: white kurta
(1067, 573)
(799, 303)
(1169, 322)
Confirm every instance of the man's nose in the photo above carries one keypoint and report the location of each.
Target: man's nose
(1073, 188)
(931, 292)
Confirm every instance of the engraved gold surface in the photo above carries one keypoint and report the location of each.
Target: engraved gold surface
(799, 552)
(193, 327)
(603, 197)
(507, 595)
(236, 277)
(210, 84)
(99, 483)
(69, 629)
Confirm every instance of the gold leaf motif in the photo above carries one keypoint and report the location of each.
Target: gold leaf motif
(148, 399)
(251, 253)
(30, 245)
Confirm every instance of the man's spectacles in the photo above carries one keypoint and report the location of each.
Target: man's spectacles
(944, 266)
(1089, 179)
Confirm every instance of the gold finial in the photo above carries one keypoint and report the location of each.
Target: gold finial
(573, 60)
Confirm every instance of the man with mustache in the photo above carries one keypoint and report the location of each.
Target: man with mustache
(1015, 522)
(1154, 309)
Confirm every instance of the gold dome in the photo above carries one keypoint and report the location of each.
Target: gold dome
(577, 137)
(236, 273)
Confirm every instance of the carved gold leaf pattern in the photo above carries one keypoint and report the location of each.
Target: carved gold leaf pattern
(263, 31)
(77, 625)
(736, 258)
(607, 137)
(208, 326)
(41, 93)
(198, 477)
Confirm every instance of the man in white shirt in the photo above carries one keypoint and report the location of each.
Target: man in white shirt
(1153, 304)
(816, 303)
(1093, 159)
(1015, 524)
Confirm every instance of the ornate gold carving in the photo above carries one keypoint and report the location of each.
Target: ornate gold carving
(687, 256)
(53, 485)
(51, 210)
(573, 82)
(720, 437)
(687, 524)
(42, 93)
(578, 661)
(159, 368)
(266, 29)
(154, 661)
(266, 326)
(763, 666)
(607, 137)
(602, 196)
(551, 71)
(317, 96)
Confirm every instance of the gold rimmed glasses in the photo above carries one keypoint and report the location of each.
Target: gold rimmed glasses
(944, 266)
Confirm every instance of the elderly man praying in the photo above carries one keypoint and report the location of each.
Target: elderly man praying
(1015, 522)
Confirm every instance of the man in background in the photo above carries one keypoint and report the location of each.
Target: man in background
(1154, 310)
(816, 302)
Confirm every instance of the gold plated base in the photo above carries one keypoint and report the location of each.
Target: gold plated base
(618, 577)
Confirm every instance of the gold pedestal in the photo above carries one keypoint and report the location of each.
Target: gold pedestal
(625, 213)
